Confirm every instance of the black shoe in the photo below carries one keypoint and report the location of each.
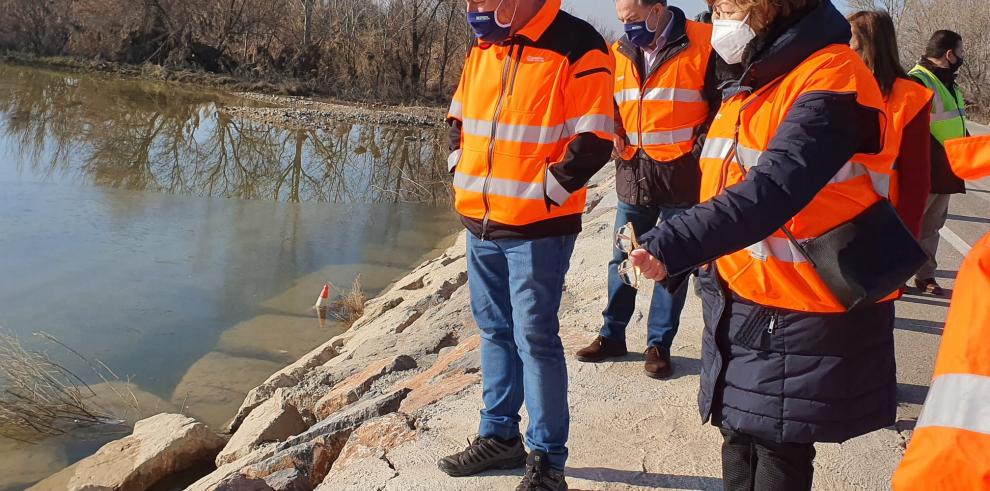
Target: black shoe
(485, 454)
(540, 476)
(929, 286)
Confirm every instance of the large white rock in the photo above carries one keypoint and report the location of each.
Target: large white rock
(273, 421)
(159, 447)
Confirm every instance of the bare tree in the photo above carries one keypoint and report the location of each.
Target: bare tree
(917, 20)
(388, 50)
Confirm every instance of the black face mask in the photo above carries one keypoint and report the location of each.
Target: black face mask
(957, 65)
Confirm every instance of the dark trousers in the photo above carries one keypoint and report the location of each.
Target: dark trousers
(752, 464)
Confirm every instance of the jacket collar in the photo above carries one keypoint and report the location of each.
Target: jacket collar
(534, 29)
(945, 75)
(677, 31)
(787, 44)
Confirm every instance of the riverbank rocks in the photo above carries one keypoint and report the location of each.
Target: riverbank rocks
(160, 446)
(354, 387)
(228, 472)
(312, 461)
(454, 371)
(375, 438)
(273, 421)
(351, 417)
(286, 377)
(364, 462)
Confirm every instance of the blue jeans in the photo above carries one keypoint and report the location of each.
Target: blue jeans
(665, 309)
(516, 285)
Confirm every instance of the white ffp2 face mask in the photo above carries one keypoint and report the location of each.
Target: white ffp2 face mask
(730, 38)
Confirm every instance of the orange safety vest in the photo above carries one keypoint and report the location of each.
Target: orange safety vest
(969, 156)
(906, 100)
(662, 114)
(520, 105)
(950, 449)
(774, 272)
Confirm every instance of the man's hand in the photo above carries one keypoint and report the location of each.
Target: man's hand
(649, 266)
(619, 143)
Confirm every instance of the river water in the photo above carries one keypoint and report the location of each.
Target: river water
(184, 248)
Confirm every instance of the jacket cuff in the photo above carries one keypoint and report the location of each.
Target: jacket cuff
(661, 244)
(554, 190)
(453, 159)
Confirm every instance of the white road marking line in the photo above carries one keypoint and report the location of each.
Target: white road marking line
(956, 241)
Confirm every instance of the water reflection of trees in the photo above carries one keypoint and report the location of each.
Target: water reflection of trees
(161, 138)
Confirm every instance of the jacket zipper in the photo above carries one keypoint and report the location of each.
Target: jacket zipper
(648, 74)
(773, 323)
(491, 144)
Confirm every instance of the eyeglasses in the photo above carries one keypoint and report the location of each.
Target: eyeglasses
(625, 241)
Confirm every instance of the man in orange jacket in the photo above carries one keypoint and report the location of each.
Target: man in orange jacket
(531, 123)
(950, 449)
(665, 95)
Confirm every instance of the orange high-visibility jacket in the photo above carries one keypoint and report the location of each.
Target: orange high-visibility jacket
(774, 272)
(950, 449)
(535, 119)
(663, 114)
(906, 100)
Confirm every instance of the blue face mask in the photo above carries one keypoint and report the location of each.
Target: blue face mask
(487, 28)
(639, 33)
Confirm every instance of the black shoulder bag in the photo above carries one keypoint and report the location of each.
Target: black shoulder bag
(864, 260)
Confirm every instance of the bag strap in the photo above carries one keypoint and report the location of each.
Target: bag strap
(783, 228)
(732, 154)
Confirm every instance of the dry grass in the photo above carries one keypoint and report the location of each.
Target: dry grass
(40, 397)
(350, 307)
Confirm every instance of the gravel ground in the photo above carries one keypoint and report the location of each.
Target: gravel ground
(307, 113)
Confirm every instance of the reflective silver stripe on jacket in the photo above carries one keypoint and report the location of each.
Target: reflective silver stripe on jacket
(555, 191)
(456, 110)
(599, 123)
(500, 187)
(539, 134)
(749, 157)
(718, 148)
(948, 115)
(940, 108)
(659, 94)
(662, 137)
(958, 400)
(453, 159)
(852, 170)
(778, 248)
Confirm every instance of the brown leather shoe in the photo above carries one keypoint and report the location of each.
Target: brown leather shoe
(602, 349)
(658, 364)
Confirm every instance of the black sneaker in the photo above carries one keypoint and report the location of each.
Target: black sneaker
(540, 476)
(485, 454)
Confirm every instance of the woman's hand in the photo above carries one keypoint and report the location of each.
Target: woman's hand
(649, 266)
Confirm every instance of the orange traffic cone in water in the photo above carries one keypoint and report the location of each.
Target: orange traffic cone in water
(323, 301)
(322, 304)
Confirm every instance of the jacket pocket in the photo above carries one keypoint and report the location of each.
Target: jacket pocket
(750, 333)
(626, 181)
